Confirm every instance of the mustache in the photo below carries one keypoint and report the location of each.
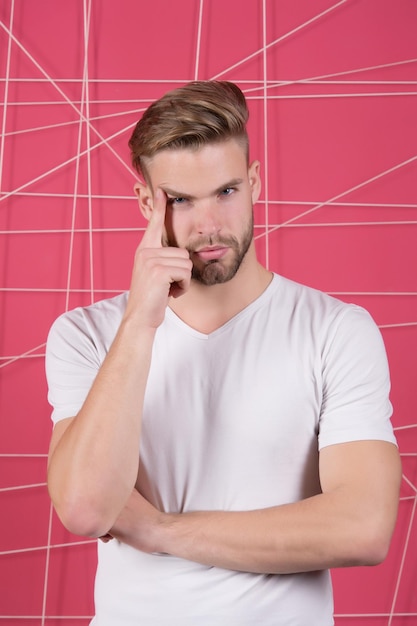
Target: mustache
(203, 242)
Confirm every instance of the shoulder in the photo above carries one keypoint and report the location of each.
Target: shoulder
(315, 306)
(331, 327)
(102, 311)
(96, 323)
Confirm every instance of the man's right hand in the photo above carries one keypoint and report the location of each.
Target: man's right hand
(158, 271)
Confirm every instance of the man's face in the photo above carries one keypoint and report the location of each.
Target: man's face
(210, 195)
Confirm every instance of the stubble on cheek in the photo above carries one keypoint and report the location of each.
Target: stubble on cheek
(215, 271)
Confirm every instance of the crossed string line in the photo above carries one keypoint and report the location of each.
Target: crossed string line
(86, 121)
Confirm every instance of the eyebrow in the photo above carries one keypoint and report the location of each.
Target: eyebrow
(178, 194)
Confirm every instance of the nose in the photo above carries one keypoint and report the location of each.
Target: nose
(208, 218)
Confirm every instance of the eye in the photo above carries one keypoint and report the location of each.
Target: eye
(177, 201)
(227, 191)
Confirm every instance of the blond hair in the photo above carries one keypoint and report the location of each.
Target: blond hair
(191, 116)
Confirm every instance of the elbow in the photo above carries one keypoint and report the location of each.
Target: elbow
(81, 519)
(83, 508)
(375, 549)
(370, 546)
(377, 535)
(370, 554)
(79, 515)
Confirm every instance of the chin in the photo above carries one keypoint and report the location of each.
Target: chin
(214, 273)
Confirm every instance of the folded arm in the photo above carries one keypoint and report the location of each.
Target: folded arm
(350, 523)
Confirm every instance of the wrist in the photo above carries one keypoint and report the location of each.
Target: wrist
(168, 534)
(133, 323)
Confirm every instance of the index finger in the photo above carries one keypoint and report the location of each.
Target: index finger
(155, 229)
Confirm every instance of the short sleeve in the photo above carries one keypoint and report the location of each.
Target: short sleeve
(356, 382)
(72, 362)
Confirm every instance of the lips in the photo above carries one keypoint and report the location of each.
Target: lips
(211, 253)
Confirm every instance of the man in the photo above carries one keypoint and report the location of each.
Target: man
(224, 430)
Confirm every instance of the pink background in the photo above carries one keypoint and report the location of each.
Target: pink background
(332, 92)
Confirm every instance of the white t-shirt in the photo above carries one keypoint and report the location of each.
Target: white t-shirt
(232, 421)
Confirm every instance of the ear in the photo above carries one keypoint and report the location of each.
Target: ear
(145, 199)
(255, 180)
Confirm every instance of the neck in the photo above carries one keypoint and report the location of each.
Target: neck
(206, 308)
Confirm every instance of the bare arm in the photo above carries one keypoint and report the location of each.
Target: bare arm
(350, 523)
(94, 456)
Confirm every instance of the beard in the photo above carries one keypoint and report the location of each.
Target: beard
(218, 271)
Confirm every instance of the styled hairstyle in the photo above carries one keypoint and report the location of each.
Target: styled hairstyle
(191, 116)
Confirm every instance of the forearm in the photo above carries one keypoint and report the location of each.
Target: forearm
(94, 466)
(351, 523)
(310, 535)
(300, 537)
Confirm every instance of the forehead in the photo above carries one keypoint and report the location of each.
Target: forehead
(190, 169)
